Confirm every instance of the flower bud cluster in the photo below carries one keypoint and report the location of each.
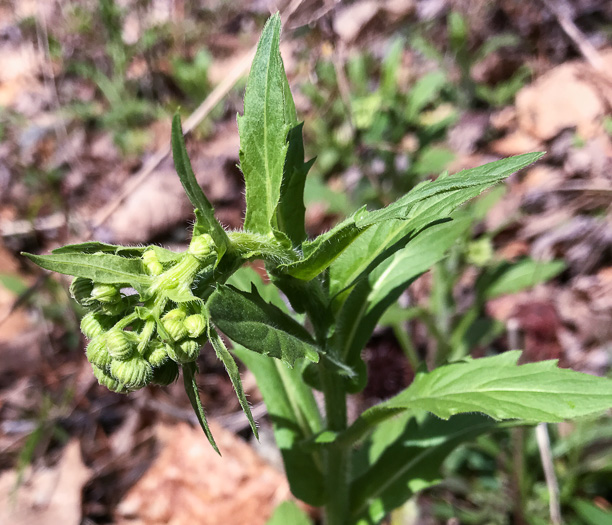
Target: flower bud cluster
(129, 349)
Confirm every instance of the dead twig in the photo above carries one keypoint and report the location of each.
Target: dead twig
(549, 473)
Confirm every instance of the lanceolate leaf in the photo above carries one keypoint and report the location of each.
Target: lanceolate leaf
(498, 387)
(96, 246)
(374, 294)
(414, 456)
(263, 130)
(99, 267)
(295, 416)
(426, 204)
(205, 213)
(191, 387)
(234, 375)
(290, 210)
(260, 326)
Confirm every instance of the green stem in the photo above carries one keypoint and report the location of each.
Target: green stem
(336, 460)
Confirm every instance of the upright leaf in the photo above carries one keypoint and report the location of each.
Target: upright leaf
(498, 387)
(191, 387)
(288, 513)
(295, 417)
(268, 117)
(290, 210)
(414, 455)
(260, 326)
(382, 287)
(205, 213)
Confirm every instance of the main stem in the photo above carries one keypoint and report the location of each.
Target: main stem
(336, 461)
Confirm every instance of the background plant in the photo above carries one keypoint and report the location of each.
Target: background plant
(342, 282)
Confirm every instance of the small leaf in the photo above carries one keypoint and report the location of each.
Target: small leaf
(260, 326)
(191, 387)
(234, 375)
(288, 513)
(205, 213)
(99, 267)
(269, 114)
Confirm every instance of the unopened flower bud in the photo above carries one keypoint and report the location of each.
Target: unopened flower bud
(105, 293)
(201, 246)
(195, 325)
(173, 324)
(109, 382)
(156, 353)
(80, 290)
(185, 352)
(165, 374)
(134, 373)
(97, 354)
(149, 258)
(91, 325)
(118, 344)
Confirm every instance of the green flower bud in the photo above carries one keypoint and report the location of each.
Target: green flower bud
(109, 382)
(91, 325)
(201, 246)
(149, 258)
(185, 352)
(118, 344)
(156, 353)
(80, 290)
(173, 324)
(134, 373)
(97, 354)
(105, 293)
(165, 374)
(117, 309)
(195, 325)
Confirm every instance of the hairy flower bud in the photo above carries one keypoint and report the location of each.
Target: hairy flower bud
(195, 325)
(173, 324)
(184, 352)
(149, 258)
(118, 344)
(134, 373)
(80, 290)
(105, 293)
(91, 325)
(165, 374)
(97, 354)
(201, 246)
(109, 382)
(156, 353)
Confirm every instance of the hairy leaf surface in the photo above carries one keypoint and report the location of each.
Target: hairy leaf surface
(191, 387)
(268, 116)
(260, 326)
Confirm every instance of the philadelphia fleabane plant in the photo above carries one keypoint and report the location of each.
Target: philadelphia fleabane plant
(151, 310)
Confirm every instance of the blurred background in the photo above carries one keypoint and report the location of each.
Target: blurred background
(392, 92)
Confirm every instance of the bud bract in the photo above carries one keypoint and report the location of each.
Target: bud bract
(118, 344)
(80, 290)
(165, 374)
(109, 382)
(201, 246)
(97, 354)
(195, 325)
(156, 353)
(91, 325)
(184, 352)
(134, 372)
(149, 258)
(105, 293)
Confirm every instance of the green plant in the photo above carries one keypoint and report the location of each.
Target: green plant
(337, 287)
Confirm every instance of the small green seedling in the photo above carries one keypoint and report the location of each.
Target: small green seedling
(151, 311)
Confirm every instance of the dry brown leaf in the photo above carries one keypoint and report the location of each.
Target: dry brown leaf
(562, 98)
(50, 495)
(516, 143)
(190, 483)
